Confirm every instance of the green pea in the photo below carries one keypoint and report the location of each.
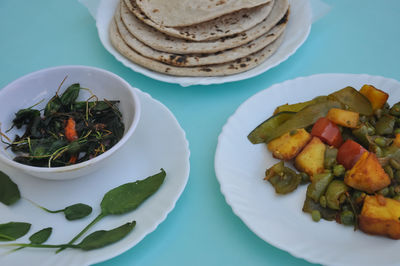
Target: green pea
(380, 141)
(316, 215)
(384, 191)
(347, 218)
(338, 170)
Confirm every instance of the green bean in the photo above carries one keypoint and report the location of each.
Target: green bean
(330, 157)
(282, 178)
(377, 150)
(347, 217)
(394, 163)
(316, 215)
(395, 110)
(389, 171)
(378, 113)
(396, 131)
(305, 178)
(335, 194)
(319, 185)
(397, 176)
(339, 170)
(385, 125)
(322, 201)
(370, 129)
(361, 134)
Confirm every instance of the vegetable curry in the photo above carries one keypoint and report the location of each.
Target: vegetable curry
(346, 148)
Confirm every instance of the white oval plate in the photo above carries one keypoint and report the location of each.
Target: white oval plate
(279, 220)
(296, 33)
(143, 155)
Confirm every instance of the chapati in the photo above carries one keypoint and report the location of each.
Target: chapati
(178, 13)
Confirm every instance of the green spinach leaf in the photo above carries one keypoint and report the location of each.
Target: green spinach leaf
(9, 192)
(13, 230)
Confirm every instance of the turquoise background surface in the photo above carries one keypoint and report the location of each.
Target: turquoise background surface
(357, 36)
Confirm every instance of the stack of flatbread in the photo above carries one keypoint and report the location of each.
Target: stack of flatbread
(199, 37)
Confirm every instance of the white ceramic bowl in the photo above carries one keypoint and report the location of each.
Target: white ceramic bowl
(41, 86)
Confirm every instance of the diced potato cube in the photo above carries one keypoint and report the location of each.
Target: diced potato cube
(287, 146)
(396, 141)
(377, 97)
(311, 158)
(367, 174)
(343, 117)
(380, 216)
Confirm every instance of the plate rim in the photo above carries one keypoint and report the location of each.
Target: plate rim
(223, 186)
(184, 170)
(190, 81)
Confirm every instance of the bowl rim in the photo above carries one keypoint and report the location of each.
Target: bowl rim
(108, 153)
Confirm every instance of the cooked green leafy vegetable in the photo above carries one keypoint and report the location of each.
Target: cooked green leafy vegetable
(69, 132)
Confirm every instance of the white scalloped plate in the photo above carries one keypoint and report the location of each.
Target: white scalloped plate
(279, 220)
(143, 155)
(296, 33)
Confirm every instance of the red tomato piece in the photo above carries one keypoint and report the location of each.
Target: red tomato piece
(349, 153)
(327, 131)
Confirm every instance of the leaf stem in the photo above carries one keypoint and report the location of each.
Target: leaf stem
(22, 245)
(43, 208)
(98, 218)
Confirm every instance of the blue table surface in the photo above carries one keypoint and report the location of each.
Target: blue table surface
(358, 36)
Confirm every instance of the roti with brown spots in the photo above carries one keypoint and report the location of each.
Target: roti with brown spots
(162, 42)
(178, 13)
(227, 25)
(198, 59)
(237, 66)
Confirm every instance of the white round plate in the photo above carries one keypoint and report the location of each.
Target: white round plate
(143, 155)
(279, 220)
(296, 33)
